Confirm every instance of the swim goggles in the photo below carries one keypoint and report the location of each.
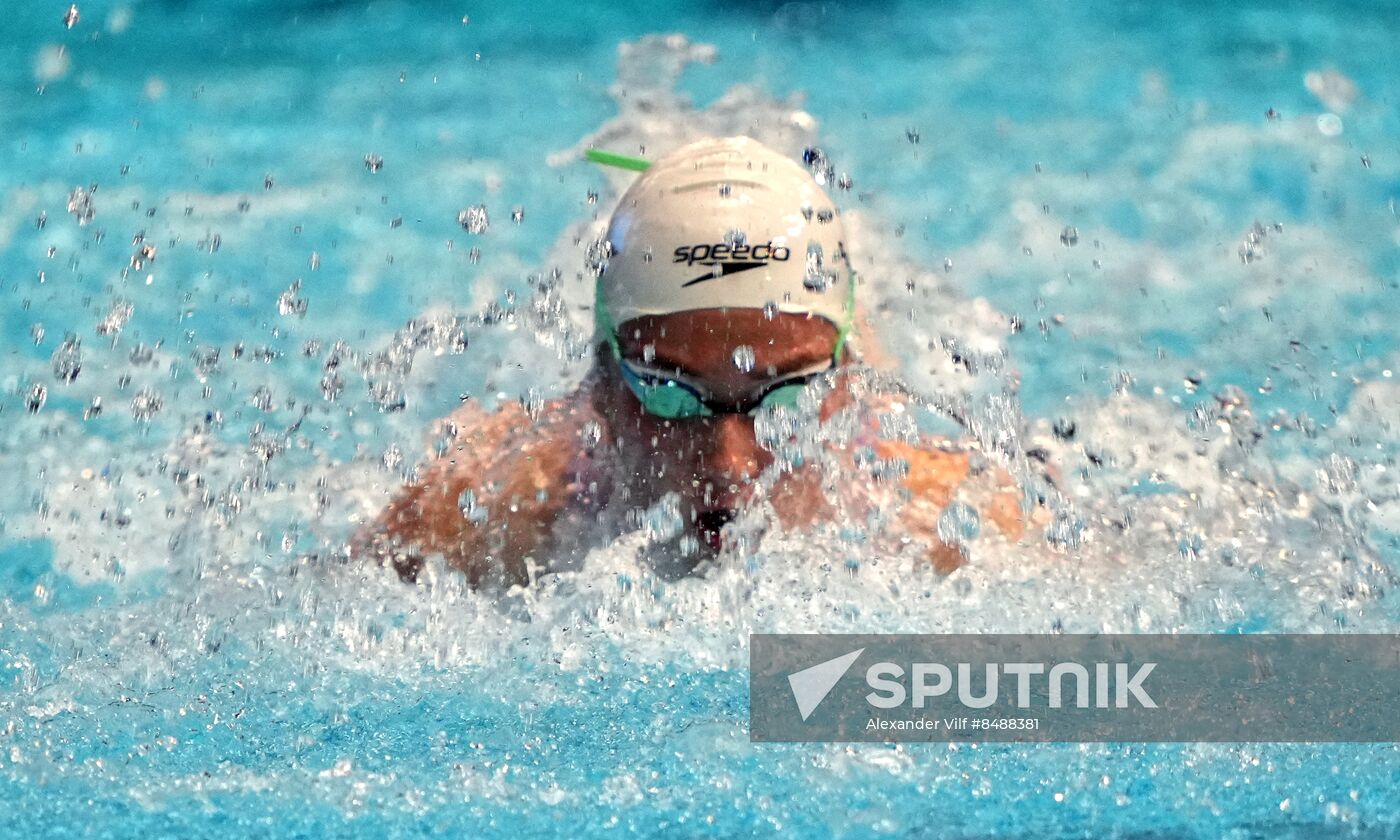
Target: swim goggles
(671, 397)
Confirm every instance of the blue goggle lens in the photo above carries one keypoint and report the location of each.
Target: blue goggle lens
(673, 399)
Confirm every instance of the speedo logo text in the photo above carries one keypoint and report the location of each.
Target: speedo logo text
(723, 251)
(724, 259)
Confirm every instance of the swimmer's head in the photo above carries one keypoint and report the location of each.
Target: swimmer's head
(725, 223)
(727, 292)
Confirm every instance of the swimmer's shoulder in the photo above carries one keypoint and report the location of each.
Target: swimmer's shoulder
(939, 471)
(488, 499)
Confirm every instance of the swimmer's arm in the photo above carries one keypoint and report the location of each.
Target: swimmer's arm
(516, 474)
(933, 480)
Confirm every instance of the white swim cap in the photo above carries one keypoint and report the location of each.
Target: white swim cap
(725, 223)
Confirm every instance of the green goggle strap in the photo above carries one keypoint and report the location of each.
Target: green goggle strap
(602, 322)
(605, 158)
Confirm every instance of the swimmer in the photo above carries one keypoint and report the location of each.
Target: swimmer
(727, 293)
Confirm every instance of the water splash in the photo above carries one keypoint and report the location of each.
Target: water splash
(474, 219)
(217, 524)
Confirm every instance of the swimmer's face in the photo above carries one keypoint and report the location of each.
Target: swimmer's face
(709, 461)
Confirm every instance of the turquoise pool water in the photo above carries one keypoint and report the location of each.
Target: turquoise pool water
(1173, 228)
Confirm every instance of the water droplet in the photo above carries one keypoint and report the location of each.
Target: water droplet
(533, 403)
(331, 385)
(649, 353)
(80, 205)
(70, 18)
(388, 395)
(1272, 114)
(912, 134)
(517, 214)
(743, 358)
(392, 457)
(1069, 237)
(374, 162)
(1065, 531)
(724, 190)
(770, 310)
(1330, 125)
(115, 320)
(146, 404)
(596, 257)
(736, 238)
(268, 181)
(817, 278)
(473, 219)
(1366, 161)
(147, 254)
(67, 360)
(471, 510)
(844, 182)
(1252, 248)
(262, 398)
(35, 399)
(315, 261)
(959, 523)
(290, 303)
(947, 264)
(817, 164)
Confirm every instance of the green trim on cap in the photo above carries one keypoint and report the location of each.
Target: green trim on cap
(843, 330)
(605, 158)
